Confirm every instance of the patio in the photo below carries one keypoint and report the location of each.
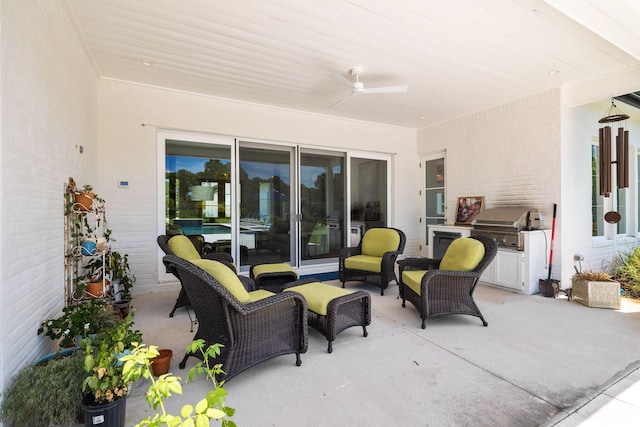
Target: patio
(538, 362)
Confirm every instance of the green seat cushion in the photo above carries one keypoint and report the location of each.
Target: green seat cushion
(318, 295)
(226, 277)
(364, 262)
(273, 268)
(463, 254)
(260, 294)
(182, 247)
(413, 279)
(377, 241)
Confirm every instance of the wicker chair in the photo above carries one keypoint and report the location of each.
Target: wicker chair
(252, 332)
(225, 258)
(375, 255)
(436, 292)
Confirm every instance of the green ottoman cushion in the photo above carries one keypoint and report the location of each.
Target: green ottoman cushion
(318, 295)
(273, 268)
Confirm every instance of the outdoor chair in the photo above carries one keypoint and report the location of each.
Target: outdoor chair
(375, 255)
(253, 326)
(183, 247)
(445, 286)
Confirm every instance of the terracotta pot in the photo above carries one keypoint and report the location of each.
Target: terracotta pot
(95, 290)
(84, 201)
(160, 364)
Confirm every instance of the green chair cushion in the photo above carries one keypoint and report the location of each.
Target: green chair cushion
(260, 294)
(377, 241)
(182, 247)
(318, 295)
(463, 254)
(226, 277)
(364, 262)
(273, 268)
(413, 279)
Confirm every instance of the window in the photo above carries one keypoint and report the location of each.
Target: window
(434, 195)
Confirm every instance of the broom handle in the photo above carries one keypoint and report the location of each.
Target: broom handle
(553, 237)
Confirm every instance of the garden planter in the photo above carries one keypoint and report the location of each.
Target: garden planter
(95, 290)
(599, 294)
(161, 362)
(84, 201)
(122, 308)
(108, 415)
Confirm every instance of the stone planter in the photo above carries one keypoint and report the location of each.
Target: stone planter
(597, 294)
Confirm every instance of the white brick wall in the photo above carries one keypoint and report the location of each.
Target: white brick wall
(48, 99)
(123, 108)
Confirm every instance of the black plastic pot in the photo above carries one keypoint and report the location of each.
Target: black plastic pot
(109, 415)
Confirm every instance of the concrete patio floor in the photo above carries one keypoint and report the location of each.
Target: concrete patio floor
(540, 362)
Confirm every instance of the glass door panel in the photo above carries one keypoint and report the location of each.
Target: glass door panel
(368, 197)
(322, 205)
(197, 177)
(434, 197)
(265, 232)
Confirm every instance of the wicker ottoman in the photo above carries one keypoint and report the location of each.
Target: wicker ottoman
(333, 309)
(272, 277)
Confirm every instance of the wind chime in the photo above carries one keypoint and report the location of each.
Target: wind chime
(613, 115)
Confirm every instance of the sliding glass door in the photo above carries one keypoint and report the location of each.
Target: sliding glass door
(268, 202)
(322, 205)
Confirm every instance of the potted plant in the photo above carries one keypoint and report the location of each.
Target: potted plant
(105, 386)
(211, 407)
(121, 280)
(46, 393)
(78, 320)
(596, 289)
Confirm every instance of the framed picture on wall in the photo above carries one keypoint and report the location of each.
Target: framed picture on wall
(467, 209)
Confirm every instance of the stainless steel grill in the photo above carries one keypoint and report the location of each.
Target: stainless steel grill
(504, 225)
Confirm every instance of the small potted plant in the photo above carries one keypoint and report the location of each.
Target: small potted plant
(105, 386)
(121, 281)
(596, 289)
(78, 320)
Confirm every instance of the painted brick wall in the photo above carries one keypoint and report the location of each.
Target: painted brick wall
(48, 101)
(123, 108)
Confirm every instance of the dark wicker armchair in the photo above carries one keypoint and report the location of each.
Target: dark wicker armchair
(193, 253)
(436, 292)
(252, 332)
(375, 255)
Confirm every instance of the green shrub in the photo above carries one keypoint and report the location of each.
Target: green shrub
(47, 394)
(625, 268)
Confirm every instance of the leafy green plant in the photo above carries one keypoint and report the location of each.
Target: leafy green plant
(46, 394)
(105, 380)
(82, 319)
(211, 407)
(625, 267)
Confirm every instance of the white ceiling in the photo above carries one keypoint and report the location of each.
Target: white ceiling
(457, 57)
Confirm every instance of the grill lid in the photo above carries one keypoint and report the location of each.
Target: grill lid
(507, 217)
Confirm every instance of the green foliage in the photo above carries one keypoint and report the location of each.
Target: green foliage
(212, 407)
(82, 319)
(592, 276)
(106, 380)
(625, 268)
(45, 395)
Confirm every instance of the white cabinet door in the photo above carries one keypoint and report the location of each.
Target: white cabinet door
(507, 269)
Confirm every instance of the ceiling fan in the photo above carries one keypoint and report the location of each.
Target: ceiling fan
(357, 87)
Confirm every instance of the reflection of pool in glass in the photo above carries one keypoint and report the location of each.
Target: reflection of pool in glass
(207, 229)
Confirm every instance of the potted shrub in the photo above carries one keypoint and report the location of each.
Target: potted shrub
(78, 320)
(596, 289)
(121, 280)
(105, 386)
(29, 400)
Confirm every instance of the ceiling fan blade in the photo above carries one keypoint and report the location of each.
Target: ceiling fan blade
(387, 89)
(342, 80)
(341, 101)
